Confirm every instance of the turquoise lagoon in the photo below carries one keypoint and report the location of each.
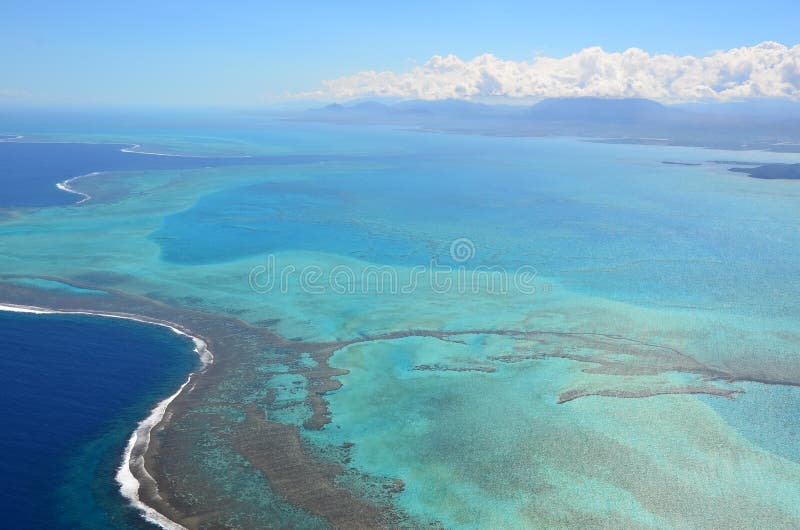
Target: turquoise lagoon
(595, 393)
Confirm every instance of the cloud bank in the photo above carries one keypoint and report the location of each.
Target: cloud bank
(769, 69)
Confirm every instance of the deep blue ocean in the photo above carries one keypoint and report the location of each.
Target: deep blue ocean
(29, 172)
(73, 389)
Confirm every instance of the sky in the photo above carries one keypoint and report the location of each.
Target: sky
(251, 53)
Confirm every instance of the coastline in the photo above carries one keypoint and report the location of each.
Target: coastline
(130, 148)
(135, 149)
(300, 478)
(64, 185)
(132, 472)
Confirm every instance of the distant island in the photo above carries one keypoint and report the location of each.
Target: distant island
(771, 171)
(609, 120)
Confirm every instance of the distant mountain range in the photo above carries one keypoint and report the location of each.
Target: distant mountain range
(414, 111)
(764, 124)
(604, 110)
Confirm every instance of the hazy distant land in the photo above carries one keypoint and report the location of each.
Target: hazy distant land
(772, 171)
(769, 125)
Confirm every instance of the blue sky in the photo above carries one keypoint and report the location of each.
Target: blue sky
(249, 52)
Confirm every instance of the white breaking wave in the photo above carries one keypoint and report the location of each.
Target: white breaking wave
(131, 148)
(65, 185)
(133, 456)
(136, 149)
(769, 69)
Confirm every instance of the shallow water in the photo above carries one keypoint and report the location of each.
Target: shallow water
(652, 282)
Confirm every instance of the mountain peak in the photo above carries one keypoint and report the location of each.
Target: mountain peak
(601, 109)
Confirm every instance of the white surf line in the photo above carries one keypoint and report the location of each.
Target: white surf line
(11, 138)
(131, 147)
(135, 149)
(65, 185)
(133, 456)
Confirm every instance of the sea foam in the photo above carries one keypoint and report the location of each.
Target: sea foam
(135, 449)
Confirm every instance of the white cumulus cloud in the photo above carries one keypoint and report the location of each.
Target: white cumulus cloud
(769, 69)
